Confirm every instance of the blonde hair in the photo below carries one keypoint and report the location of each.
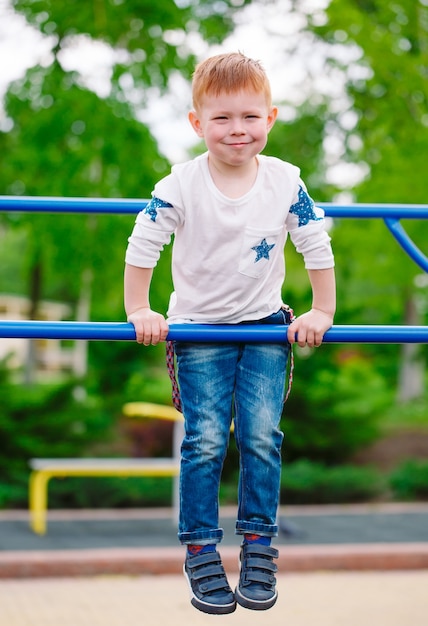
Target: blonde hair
(229, 73)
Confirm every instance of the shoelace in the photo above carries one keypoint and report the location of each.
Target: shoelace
(290, 318)
(170, 364)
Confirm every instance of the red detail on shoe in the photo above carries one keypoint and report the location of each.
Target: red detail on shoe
(193, 549)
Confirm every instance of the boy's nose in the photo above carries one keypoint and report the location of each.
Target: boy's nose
(237, 128)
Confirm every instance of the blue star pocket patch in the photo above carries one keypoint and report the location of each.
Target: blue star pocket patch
(262, 250)
(258, 250)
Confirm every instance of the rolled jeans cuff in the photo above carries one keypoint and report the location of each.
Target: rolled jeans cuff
(256, 528)
(201, 537)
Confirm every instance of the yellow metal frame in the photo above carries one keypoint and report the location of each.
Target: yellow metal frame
(46, 469)
(153, 411)
(40, 477)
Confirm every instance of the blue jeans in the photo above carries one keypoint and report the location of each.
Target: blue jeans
(220, 382)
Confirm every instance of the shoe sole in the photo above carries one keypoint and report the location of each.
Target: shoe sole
(254, 605)
(208, 607)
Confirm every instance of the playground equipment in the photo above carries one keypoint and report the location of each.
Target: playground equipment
(45, 469)
(117, 331)
(111, 331)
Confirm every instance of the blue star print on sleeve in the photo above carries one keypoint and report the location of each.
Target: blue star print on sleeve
(304, 208)
(262, 250)
(152, 207)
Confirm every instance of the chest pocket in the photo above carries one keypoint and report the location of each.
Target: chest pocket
(259, 249)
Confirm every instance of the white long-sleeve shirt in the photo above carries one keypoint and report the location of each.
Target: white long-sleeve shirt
(228, 253)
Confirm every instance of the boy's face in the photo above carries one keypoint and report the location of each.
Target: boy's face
(234, 126)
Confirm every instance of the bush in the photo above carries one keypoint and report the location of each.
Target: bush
(333, 412)
(305, 482)
(43, 421)
(410, 481)
(111, 492)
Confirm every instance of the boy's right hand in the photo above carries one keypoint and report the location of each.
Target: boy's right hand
(150, 327)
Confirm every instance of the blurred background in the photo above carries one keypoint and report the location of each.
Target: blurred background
(94, 98)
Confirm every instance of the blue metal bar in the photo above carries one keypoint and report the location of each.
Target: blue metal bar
(409, 246)
(403, 211)
(208, 333)
(35, 204)
(30, 204)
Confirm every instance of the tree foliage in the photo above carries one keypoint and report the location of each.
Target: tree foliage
(387, 93)
(390, 98)
(67, 142)
(152, 35)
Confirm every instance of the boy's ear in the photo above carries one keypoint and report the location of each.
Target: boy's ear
(196, 123)
(272, 115)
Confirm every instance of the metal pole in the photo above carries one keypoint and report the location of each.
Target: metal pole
(50, 204)
(208, 333)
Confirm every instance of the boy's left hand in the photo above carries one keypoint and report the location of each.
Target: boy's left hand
(308, 329)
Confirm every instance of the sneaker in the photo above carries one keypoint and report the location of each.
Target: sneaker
(209, 589)
(256, 587)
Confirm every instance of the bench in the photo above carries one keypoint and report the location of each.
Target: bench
(45, 469)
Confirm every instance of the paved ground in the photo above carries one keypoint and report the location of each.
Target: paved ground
(313, 599)
(361, 564)
(140, 528)
(138, 542)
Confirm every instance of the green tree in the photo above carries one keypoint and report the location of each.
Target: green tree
(387, 93)
(390, 98)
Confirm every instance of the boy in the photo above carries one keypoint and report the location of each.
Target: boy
(230, 210)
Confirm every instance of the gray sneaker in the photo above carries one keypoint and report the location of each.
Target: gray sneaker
(256, 587)
(210, 592)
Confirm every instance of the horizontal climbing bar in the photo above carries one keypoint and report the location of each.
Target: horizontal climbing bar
(39, 204)
(208, 333)
(49, 204)
(400, 211)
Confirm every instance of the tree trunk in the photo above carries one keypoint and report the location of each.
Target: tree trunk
(412, 366)
(35, 289)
